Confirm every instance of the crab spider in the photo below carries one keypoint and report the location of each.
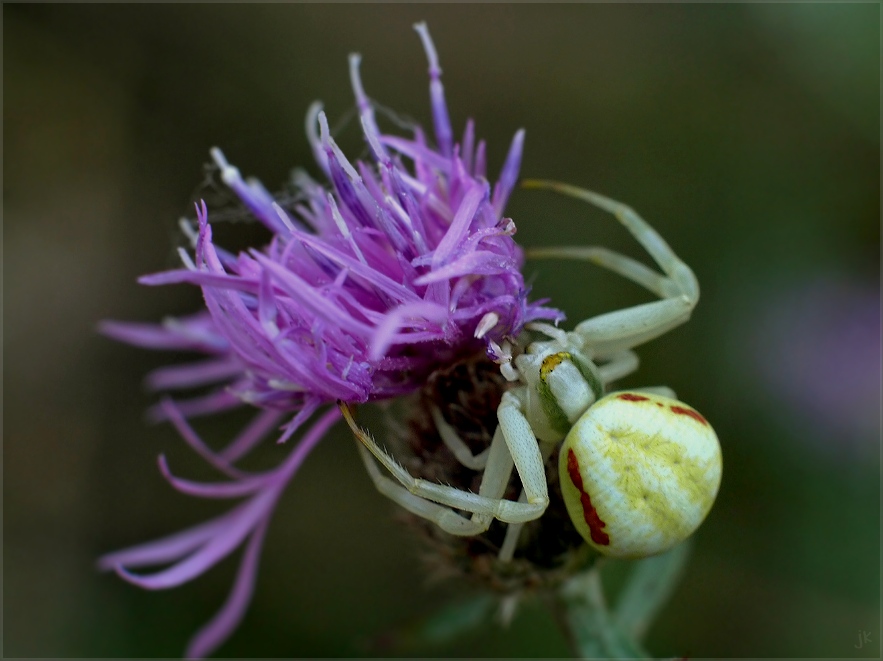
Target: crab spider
(639, 469)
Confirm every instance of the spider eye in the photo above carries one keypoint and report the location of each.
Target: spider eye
(639, 473)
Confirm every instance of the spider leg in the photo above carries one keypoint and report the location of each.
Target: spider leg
(665, 391)
(479, 504)
(679, 289)
(652, 242)
(444, 517)
(524, 447)
(627, 267)
(513, 532)
(617, 331)
(456, 445)
(618, 365)
(608, 333)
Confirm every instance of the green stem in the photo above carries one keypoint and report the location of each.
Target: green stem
(588, 623)
(652, 582)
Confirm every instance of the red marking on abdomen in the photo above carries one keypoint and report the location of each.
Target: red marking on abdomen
(590, 514)
(680, 410)
(629, 397)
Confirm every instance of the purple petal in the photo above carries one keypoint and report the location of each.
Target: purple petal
(476, 263)
(173, 414)
(359, 269)
(301, 291)
(308, 442)
(468, 145)
(254, 197)
(441, 121)
(219, 628)
(509, 174)
(200, 278)
(459, 225)
(165, 549)
(480, 169)
(385, 335)
(315, 141)
(259, 427)
(237, 489)
(155, 336)
(238, 524)
(418, 152)
(192, 375)
(366, 111)
(306, 411)
(195, 407)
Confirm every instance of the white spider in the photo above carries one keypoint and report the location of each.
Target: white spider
(639, 470)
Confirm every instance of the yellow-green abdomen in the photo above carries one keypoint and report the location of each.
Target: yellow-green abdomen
(639, 473)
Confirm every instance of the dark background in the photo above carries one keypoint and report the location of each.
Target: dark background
(747, 134)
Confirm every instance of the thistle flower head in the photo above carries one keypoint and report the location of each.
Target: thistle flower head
(366, 288)
(403, 266)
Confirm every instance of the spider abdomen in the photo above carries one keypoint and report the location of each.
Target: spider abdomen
(639, 473)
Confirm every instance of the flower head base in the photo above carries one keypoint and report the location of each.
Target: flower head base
(362, 293)
(467, 396)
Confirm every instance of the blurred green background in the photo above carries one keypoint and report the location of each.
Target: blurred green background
(748, 135)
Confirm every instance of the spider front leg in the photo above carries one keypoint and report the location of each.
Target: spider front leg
(524, 449)
(444, 517)
(513, 444)
(678, 288)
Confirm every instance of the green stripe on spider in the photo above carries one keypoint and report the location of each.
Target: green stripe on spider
(590, 373)
(557, 418)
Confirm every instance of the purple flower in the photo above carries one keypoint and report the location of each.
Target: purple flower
(363, 291)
